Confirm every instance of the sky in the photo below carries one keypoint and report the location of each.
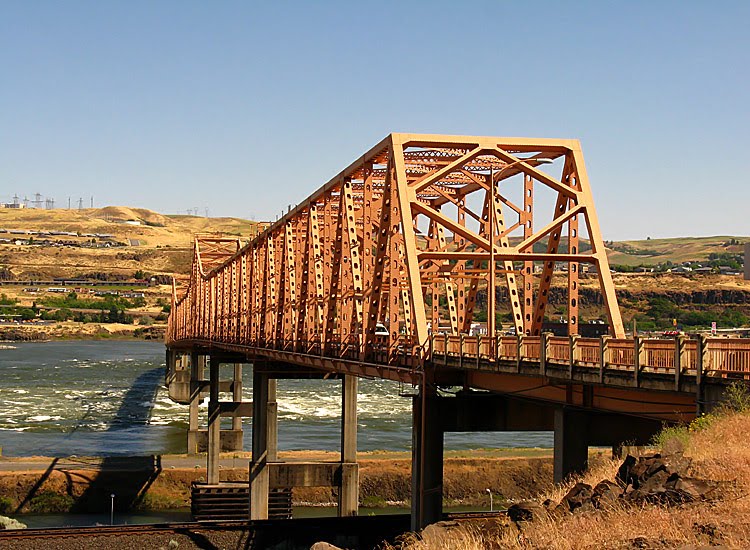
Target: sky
(241, 108)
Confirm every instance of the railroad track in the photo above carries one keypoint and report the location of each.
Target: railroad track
(117, 530)
(150, 529)
(475, 515)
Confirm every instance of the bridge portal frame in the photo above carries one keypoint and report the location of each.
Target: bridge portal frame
(410, 229)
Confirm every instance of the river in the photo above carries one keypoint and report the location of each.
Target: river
(106, 398)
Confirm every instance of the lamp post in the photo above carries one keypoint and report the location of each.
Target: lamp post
(491, 282)
(491, 504)
(112, 509)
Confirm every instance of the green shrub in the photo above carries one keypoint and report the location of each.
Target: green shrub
(669, 435)
(48, 502)
(6, 505)
(736, 398)
(158, 501)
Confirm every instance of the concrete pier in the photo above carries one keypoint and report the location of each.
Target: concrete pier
(262, 452)
(349, 487)
(200, 387)
(268, 473)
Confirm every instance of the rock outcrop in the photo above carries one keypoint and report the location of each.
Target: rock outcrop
(647, 479)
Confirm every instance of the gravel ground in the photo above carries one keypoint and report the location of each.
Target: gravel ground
(199, 538)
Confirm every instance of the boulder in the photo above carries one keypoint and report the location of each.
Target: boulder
(623, 473)
(645, 468)
(10, 523)
(606, 493)
(651, 489)
(324, 546)
(577, 496)
(526, 510)
(692, 488)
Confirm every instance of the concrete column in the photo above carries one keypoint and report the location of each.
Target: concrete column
(237, 394)
(258, 466)
(349, 491)
(272, 422)
(214, 425)
(571, 452)
(171, 362)
(426, 461)
(196, 374)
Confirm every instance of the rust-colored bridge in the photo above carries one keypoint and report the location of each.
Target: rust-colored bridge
(383, 272)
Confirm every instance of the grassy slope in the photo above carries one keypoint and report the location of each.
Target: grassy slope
(676, 250)
(717, 446)
(176, 231)
(166, 241)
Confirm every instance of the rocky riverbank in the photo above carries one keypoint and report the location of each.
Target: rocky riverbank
(71, 330)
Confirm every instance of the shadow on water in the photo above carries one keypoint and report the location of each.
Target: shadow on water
(128, 478)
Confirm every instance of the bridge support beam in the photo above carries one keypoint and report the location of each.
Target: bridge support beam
(214, 425)
(200, 387)
(349, 490)
(264, 443)
(237, 398)
(571, 453)
(427, 460)
(197, 374)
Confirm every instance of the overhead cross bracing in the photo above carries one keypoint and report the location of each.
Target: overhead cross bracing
(403, 242)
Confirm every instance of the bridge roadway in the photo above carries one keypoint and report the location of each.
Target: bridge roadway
(350, 283)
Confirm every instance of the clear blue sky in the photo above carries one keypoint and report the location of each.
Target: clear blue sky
(245, 107)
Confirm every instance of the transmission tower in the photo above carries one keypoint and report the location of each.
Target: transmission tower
(49, 203)
(37, 202)
(80, 203)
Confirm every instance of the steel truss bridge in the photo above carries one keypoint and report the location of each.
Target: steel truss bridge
(383, 270)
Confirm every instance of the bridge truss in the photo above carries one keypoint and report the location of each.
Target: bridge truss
(405, 241)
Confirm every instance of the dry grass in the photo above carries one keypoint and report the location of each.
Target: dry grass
(719, 451)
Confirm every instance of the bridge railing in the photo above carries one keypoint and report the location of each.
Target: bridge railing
(714, 356)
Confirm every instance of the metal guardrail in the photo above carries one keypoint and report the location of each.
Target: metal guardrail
(716, 356)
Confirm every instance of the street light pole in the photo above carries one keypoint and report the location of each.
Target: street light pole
(491, 503)
(112, 509)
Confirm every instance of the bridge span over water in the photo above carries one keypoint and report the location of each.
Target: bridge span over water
(383, 271)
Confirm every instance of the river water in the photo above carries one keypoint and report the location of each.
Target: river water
(106, 398)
